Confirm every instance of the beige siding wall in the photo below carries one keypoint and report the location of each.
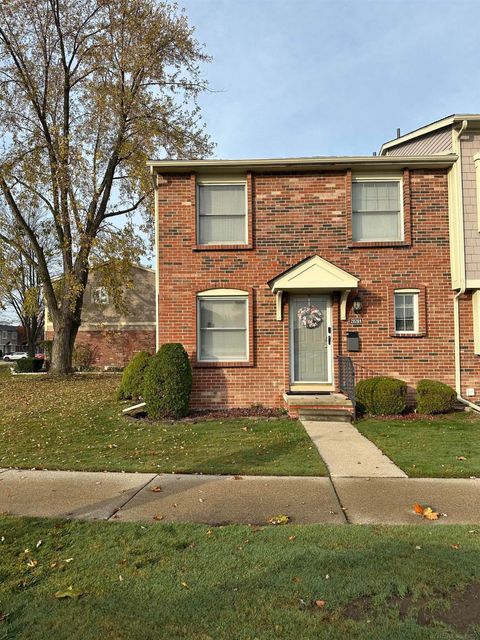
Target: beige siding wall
(436, 142)
(470, 145)
(139, 312)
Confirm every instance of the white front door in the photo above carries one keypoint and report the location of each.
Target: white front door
(311, 348)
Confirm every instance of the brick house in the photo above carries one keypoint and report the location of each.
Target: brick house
(9, 339)
(460, 135)
(116, 335)
(251, 251)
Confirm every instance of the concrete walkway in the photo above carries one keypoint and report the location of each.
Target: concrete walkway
(347, 453)
(143, 497)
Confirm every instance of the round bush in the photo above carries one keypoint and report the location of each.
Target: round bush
(168, 383)
(364, 394)
(435, 397)
(389, 397)
(29, 365)
(131, 385)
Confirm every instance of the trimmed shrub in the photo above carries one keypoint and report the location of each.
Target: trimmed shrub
(29, 365)
(435, 397)
(364, 394)
(389, 397)
(168, 383)
(381, 396)
(131, 386)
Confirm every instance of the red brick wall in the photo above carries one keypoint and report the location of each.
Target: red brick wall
(469, 361)
(117, 347)
(295, 216)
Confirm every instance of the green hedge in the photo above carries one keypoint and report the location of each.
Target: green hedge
(168, 383)
(364, 394)
(29, 365)
(131, 385)
(381, 396)
(435, 397)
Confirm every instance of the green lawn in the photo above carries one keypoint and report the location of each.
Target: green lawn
(429, 447)
(76, 424)
(189, 582)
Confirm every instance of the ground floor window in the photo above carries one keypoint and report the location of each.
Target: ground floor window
(406, 311)
(222, 328)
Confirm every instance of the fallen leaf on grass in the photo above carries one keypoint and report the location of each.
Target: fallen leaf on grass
(320, 603)
(460, 457)
(295, 579)
(32, 563)
(156, 489)
(280, 519)
(159, 516)
(68, 593)
(455, 546)
(292, 538)
(426, 512)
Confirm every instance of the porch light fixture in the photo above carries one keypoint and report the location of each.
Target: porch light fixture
(357, 304)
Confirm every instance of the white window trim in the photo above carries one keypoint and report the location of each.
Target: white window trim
(211, 182)
(224, 294)
(416, 319)
(94, 290)
(383, 178)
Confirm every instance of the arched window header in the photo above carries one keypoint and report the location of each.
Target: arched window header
(221, 293)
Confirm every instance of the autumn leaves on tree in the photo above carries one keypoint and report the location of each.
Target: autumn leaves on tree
(88, 92)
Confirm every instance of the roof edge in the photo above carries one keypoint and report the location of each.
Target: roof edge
(429, 128)
(329, 162)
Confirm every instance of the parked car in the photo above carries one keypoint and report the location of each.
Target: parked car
(16, 355)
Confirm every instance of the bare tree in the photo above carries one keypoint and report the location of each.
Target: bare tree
(88, 91)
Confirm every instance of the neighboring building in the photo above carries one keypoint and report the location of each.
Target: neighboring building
(458, 134)
(114, 336)
(8, 339)
(251, 251)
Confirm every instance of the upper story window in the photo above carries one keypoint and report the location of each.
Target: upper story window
(377, 210)
(406, 311)
(222, 212)
(100, 295)
(222, 327)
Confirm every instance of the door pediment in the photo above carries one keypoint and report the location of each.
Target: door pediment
(314, 274)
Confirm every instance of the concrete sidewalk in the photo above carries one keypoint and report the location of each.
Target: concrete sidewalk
(143, 497)
(347, 453)
(168, 497)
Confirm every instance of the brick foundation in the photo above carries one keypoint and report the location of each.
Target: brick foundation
(115, 348)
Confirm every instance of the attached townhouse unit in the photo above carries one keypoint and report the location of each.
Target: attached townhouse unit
(115, 335)
(281, 276)
(460, 135)
(9, 339)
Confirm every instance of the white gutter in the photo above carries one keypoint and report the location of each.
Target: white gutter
(461, 290)
(157, 274)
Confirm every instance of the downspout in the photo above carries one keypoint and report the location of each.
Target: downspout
(462, 288)
(157, 274)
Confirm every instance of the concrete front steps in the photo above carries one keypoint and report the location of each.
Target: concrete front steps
(322, 406)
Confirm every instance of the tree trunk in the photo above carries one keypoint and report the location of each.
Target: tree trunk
(30, 328)
(62, 348)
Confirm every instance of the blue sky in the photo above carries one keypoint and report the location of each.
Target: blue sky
(333, 77)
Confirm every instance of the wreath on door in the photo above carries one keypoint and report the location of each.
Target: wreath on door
(310, 316)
